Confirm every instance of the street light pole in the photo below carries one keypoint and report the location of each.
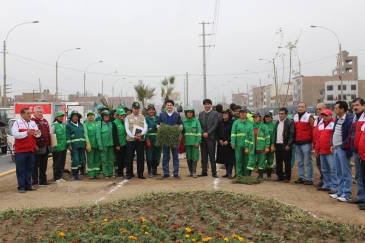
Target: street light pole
(4, 52)
(113, 86)
(85, 85)
(339, 47)
(102, 83)
(56, 94)
(260, 85)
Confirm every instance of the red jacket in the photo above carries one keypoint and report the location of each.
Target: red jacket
(317, 121)
(361, 149)
(359, 124)
(323, 143)
(24, 143)
(45, 138)
(303, 130)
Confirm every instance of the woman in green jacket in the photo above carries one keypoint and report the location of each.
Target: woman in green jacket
(120, 141)
(59, 151)
(268, 121)
(92, 150)
(105, 142)
(192, 138)
(75, 136)
(257, 145)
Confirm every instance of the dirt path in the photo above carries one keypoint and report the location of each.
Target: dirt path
(87, 191)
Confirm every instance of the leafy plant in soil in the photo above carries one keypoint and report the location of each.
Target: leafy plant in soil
(168, 136)
(249, 180)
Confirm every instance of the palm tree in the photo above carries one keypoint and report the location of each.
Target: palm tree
(144, 93)
(167, 88)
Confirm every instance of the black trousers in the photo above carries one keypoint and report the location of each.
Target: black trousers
(120, 156)
(318, 163)
(59, 160)
(283, 156)
(40, 168)
(132, 147)
(363, 172)
(208, 148)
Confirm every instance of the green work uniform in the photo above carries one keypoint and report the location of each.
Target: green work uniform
(97, 118)
(60, 131)
(75, 137)
(153, 153)
(93, 157)
(105, 142)
(192, 136)
(238, 137)
(122, 139)
(270, 155)
(257, 145)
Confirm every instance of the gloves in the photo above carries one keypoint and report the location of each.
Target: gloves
(247, 151)
(272, 148)
(149, 145)
(181, 128)
(88, 147)
(267, 150)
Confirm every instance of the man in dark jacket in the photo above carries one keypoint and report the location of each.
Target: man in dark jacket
(209, 121)
(341, 153)
(169, 117)
(284, 139)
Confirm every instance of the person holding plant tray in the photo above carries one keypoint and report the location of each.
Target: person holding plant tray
(225, 153)
(76, 143)
(257, 145)
(238, 136)
(105, 143)
(153, 153)
(192, 138)
(92, 150)
(120, 140)
(170, 118)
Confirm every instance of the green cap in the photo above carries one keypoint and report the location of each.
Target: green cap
(243, 110)
(90, 113)
(256, 114)
(152, 106)
(59, 113)
(105, 113)
(75, 112)
(268, 114)
(189, 109)
(128, 108)
(100, 107)
(121, 112)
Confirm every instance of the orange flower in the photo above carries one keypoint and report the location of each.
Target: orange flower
(75, 240)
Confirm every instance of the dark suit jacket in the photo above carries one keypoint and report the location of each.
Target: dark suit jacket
(212, 123)
(176, 118)
(288, 132)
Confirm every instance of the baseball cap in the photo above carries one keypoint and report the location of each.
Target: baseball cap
(268, 114)
(151, 106)
(120, 112)
(90, 113)
(327, 112)
(59, 113)
(136, 105)
(256, 114)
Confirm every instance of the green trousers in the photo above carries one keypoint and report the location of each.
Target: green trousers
(270, 160)
(192, 153)
(77, 158)
(256, 159)
(93, 162)
(107, 160)
(241, 161)
(153, 153)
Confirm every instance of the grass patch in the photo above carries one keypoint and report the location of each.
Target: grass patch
(187, 216)
(249, 180)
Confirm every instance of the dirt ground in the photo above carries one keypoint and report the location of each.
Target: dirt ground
(87, 191)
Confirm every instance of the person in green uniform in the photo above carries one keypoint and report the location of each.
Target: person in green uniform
(268, 121)
(236, 112)
(99, 109)
(59, 151)
(192, 133)
(76, 143)
(128, 110)
(113, 115)
(105, 142)
(238, 137)
(92, 150)
(153, 153)
(257, 145)
(120, 141)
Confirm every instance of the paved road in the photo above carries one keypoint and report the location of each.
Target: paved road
(6, 163)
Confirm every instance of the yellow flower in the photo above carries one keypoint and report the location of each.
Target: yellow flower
(61, 234)
(93, 222)
(225, 239)
(241, 238)
(129, 220)
(193, 240)
(187, 236)
(40, 237)
(206, 239)
(121, 219)
(188, 229)
(146, 233)
(142, 220)
(105, 220)
(132, 237)
(234, 236)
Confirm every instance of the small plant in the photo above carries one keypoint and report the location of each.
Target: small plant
(249, 180)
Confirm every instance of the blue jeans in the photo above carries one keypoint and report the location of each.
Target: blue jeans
(328, 168)
(166, 160)
(24, 163)
(358, 178)
(304, 152)
(343, 169)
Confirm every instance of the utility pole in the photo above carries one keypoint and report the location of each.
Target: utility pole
(187, 89)
(40, 89)
(204, 62)
(184, 94)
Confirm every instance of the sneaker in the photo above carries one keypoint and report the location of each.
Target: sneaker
(32, 188)
(21, 191)
(176, 176)
(96, 177)
(319, 184)
(165, 176)
(62, 180)
(308, 183)
(91, 178)
(58, 181)
(334, 196)
(299, 181)
(73, 178)
(106, 177)
(343, 199)
(44, 184)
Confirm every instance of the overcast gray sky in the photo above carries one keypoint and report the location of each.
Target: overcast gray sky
(148, 40)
